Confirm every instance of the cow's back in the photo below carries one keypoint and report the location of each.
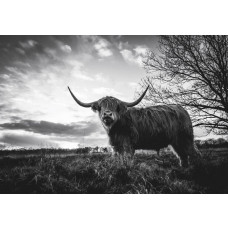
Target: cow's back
(158, 126)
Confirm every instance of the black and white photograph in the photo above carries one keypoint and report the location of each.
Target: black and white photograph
(114, 114)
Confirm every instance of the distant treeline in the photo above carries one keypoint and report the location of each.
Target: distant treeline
(212, 143)
(54, 151)
(201, 144)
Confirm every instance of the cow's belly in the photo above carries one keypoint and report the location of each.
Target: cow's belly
(152, 143)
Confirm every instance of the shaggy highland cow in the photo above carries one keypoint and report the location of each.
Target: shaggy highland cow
(153, 127)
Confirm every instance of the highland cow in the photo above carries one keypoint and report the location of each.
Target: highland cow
(153, 127)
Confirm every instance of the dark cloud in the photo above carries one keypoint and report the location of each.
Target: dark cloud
(59, 132)
(26, 141)
(82, 128)
(15, 118)
(35, 52)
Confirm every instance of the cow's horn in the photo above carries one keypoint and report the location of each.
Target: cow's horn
(137, 101)
(86, 105)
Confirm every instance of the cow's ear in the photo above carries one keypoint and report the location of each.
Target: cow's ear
(95, 107)
(121, 108)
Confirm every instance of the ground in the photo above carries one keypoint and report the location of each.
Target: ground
(64, 172)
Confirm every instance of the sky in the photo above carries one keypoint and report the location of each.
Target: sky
(36, 108)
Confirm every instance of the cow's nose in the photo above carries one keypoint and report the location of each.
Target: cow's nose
(107, 113)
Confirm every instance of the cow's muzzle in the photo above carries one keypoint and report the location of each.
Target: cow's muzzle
(108, 118)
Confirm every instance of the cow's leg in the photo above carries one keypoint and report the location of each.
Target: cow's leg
(184, 158)
(122, 154)
(187, 150)
(128, 148)
(128, 152)
(125, 150)
(182, 154)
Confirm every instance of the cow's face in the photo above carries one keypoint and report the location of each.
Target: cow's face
(110, 110)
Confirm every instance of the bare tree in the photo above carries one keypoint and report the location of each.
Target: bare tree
(191, 71)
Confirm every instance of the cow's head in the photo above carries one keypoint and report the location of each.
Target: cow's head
(110, 109)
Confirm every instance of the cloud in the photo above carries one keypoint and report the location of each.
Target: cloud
(12, 69)
(100, 77)
(135, 56)
(21, 51)
(4, 76)
(28, 44)
(66, 48)
(77, 70)
(82, 128)
(8, 112)
(141, 50)
(79, 75)
(30, 133)
(123, 45)
(104, 52)
(104, 91)
(128, 56)
(51, 53)
(4, 79)
(63, 47)
(102, 48)
(133, 84)
(82, 76)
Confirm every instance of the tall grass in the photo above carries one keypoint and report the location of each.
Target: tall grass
(100, 173)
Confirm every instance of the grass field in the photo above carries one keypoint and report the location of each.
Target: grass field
(102, 173)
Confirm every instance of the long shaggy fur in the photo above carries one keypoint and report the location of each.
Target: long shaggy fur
(154, 127)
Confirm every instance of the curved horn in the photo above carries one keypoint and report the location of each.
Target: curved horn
(138, 100)
(86, 105)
